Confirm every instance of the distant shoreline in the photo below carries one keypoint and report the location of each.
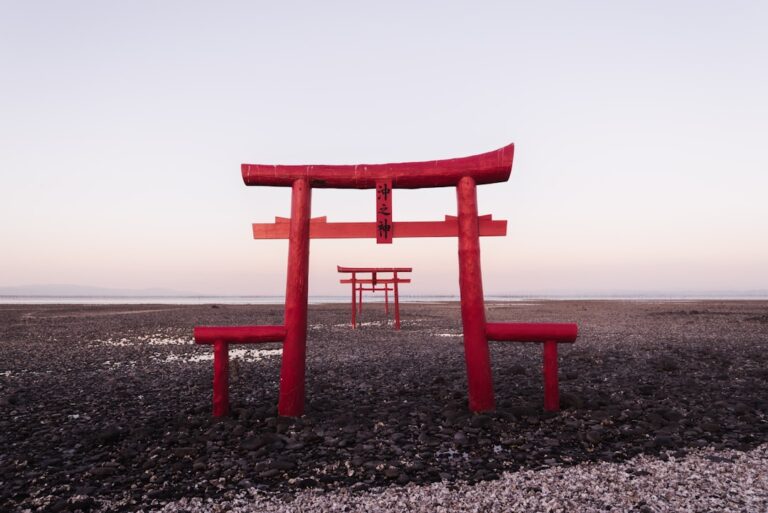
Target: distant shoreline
(279, 300)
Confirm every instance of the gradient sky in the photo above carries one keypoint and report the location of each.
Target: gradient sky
(641, 132)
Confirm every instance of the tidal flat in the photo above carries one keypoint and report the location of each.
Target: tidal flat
(108, 408)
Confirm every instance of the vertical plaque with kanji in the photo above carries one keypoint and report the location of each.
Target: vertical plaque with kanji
(384, 212)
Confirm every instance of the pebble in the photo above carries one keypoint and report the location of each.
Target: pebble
(594, 436)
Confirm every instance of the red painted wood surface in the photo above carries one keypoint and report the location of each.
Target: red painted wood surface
(367, 281)
(492, 167)
(532, 332)
(312, 220)
(354, 306)
(364, 230)
(551, 392)
(291, 402)
(397, 304)
(220, 378)
(239, 334)
(479, 378)
(344, 269)
(359, 301)
(384, 212)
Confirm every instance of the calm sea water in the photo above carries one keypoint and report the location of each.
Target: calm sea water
(269, 300)
(201, 300)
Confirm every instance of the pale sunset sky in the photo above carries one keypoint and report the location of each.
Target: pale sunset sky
(641, 133)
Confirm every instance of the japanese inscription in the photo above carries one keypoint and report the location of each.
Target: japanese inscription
(384, 212)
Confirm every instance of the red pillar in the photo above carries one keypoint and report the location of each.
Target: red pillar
(397, 304)
(354, 304)
(479, 379)
(551, 394)
(360, 299)
(220, 378)
(291, 402)
(386, 300)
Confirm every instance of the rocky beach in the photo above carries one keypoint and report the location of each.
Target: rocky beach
(108, 408)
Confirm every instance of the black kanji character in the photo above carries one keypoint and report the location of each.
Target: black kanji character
(384, 191)
(384, 228)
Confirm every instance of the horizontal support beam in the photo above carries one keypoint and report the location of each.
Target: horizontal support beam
(491, 167)
(322, 219)
(362, 230)
(377, 280)
(376, 289)
(532, 332)
(374, 269)
(239, 334)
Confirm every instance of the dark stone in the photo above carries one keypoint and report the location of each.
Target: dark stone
(391, 472)
(671, 415)
(82, 503)
(718, 459)
(250, 444)
(426, 439)
(666, 364)
(181, 452)
(515, 370)
(594, 436)
(102, 472)
(646, 389)
(283, 465)
(571, 401)
(481, 421)
(59, 505)
(109, 435)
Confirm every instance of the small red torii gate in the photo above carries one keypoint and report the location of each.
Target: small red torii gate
(358, 286)
(464, 174)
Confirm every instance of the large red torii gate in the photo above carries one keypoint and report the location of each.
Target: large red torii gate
(464, 174)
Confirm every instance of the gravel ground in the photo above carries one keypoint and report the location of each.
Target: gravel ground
(703, 481)
(108, 408)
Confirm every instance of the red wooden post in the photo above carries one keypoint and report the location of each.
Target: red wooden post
(551, 394)
(354, 304)
(220, 378)
(360, 298)
(397, 301)
(291, 403)
(479, 379)
(386, 301)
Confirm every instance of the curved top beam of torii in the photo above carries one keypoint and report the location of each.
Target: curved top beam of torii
(492, 167)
